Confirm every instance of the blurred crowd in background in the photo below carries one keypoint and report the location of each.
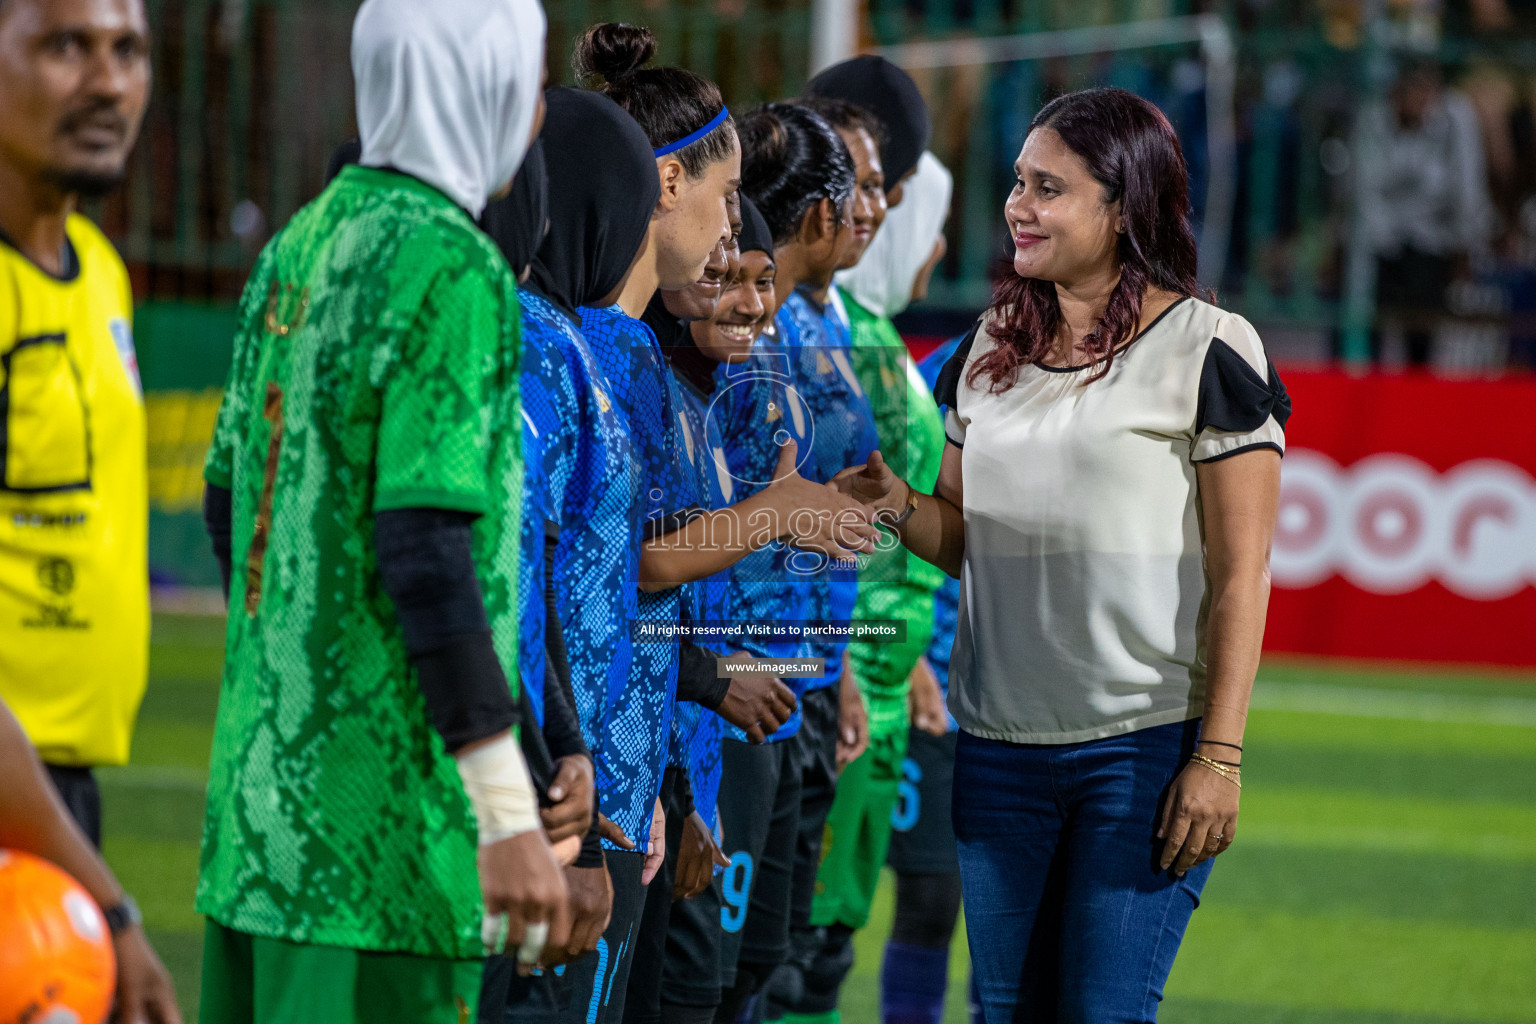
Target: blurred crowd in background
(1374, 160)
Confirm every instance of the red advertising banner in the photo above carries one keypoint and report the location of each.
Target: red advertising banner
(1407, 519)
(1407, 522)
(1407, 527)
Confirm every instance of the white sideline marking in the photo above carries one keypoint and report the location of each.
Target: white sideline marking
(1407, 705)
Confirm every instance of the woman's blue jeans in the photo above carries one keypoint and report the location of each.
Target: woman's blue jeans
(1070, 920)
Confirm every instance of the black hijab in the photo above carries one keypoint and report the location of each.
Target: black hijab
(889, 93)
(517, 222)
(755, 236)
(347, 153)
(603, 189)
(669, 330)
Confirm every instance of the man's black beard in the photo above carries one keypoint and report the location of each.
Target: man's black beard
(85, 184)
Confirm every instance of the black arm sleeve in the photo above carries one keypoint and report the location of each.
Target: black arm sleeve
(591, 855)
(1235, 398)
(682, 795)
(541, 766)
(218, 506)
(426, 563)
(562, 727)
(696, 677)
(562, 731)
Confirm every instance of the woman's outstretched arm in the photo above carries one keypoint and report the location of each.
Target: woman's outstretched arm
(935, 531)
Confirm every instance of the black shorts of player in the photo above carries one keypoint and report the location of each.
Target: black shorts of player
(547, 997)
(506, 996)
(922, 834)
(598, 980)
(691, 976)
(81, 796)
(817, 745)
(642, 997)
(759, 808)
(817, 756)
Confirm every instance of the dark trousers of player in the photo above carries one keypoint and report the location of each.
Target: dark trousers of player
(82, 798)
(759, 824)
(690, 981)
(592, 988)
(505, 996)
(817, 743)
(914, 974)
(575, 992)
(647, 1000)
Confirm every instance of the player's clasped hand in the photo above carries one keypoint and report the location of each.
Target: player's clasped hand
(823, 519)
(591, 896)
(570, 813)
(926, 701)
(519, 877)
(1199, 818)
(697, 857)
(757, 704)
(874, 484)
(656, 852)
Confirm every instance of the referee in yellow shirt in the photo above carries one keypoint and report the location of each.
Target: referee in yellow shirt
(74, 590)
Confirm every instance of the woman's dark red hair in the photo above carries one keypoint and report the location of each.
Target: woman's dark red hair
(1132, 151)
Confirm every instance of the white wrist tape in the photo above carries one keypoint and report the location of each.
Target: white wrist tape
(499, 789)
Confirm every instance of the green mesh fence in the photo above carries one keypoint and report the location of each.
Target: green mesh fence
(252, 96)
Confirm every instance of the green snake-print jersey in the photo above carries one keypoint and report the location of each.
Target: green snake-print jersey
(375, 368)
(894, 584)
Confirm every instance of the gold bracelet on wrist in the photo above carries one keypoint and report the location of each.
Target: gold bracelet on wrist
(1232, 775)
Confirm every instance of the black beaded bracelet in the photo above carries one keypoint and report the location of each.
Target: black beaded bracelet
(1219, 743)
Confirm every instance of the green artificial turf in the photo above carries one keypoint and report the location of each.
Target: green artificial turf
(1385, 869)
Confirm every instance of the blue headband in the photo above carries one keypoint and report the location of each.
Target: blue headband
(688, 140)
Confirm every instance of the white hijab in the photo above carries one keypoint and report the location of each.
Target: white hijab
(447, 90)
(882, 282)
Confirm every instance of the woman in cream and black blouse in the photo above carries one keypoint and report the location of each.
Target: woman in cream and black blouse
(1107, 499)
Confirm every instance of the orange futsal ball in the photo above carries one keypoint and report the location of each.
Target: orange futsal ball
(56, 959)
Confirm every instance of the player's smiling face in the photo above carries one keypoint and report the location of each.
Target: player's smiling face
(693, 217)
(699, 300)
(746, 308)
(869, 202)
(1062, 229)
(74, 80)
